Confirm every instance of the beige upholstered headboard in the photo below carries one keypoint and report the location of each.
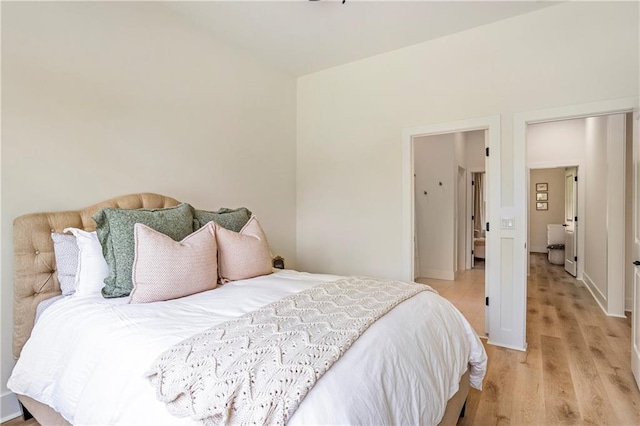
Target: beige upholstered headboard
(34, 263)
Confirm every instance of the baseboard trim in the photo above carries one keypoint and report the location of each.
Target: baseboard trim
(538, 249)
(595, 292)
(515, 348)
(437, 274)
(9, 407)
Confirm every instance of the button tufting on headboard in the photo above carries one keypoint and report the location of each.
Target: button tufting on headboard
(34, 262)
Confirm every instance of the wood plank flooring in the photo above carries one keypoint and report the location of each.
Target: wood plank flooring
(577, 368)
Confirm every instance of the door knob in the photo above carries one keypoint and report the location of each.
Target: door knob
(637, 263)
(564, 224)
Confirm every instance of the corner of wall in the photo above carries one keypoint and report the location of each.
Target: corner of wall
(9, 407)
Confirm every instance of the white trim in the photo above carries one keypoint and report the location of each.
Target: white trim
(515, 348)
(615, 213)
(438, 274)
(493, 262)
(553, 164)
(538, 249)
(10, 407)
(520, 121)
(598, 296)
(469, 225)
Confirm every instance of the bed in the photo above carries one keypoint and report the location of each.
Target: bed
(84, 361)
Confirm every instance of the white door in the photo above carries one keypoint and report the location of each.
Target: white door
(473, 223)
(571, 220)
(635, 326)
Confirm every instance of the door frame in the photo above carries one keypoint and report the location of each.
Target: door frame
(635, 255)
(574, 225)
(461, 213)
(520, 122)
(492, 263)
(470, 202)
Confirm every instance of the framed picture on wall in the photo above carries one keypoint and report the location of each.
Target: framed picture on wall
(542, 206)
(542, 196)
(542, 187)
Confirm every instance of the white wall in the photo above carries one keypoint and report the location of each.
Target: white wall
(350, 119)
(435, 158)
(474, 150)
(595, 268)
(539, 219)
(556, 141)
(105, 99)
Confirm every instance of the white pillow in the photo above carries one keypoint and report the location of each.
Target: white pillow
(65, 250)
(92, 268)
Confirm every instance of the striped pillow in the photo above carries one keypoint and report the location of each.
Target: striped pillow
(165, 269)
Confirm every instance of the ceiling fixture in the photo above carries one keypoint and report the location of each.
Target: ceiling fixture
(343, 1)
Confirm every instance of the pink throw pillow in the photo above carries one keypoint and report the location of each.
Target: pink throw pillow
(243, 254)
(165, 269)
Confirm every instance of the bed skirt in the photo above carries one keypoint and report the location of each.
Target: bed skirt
(47, 416)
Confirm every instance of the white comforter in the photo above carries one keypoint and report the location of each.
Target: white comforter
(86, 356)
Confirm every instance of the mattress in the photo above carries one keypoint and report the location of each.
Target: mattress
(87, 356)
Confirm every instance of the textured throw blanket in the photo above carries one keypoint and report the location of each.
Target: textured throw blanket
(256, 369)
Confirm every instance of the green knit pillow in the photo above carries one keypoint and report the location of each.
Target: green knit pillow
(115, 232)
(232, 220)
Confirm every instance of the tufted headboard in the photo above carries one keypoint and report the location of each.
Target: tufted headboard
(34, 262)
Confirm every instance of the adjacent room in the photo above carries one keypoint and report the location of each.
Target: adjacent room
(449, 177)
(320, 212)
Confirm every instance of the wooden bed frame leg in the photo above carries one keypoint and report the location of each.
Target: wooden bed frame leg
(464, 407)
(26, 415)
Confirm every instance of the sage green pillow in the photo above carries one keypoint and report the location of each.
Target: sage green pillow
(231, 219)
(115, 232)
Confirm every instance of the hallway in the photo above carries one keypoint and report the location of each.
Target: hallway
(577, 368)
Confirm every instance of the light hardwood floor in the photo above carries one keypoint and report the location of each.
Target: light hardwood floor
(577, 368)
(19, 422)
(466, 293)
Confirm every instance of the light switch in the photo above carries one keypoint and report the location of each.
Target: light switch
(507, 223)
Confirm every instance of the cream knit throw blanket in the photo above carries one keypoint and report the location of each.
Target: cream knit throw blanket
(256, 369)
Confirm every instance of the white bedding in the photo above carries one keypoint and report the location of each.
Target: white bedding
(87, 355)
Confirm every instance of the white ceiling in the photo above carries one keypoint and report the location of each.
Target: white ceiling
(302, 37)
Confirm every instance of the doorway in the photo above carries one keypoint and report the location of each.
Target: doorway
(552, 215)
(450, 209)
(491, 275)
(589, 193)
(478, 220)
(515, 334)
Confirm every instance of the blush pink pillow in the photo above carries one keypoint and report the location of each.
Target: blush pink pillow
(165, 269)
(243, 254)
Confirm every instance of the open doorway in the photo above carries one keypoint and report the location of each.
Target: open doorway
(553, 216)
(478, 220)
(490, 126)
(450, 200)
(576, 208)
